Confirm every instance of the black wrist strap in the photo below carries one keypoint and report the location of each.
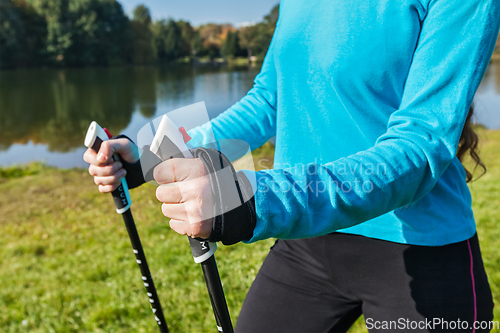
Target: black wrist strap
(134, 177)
(230, 225)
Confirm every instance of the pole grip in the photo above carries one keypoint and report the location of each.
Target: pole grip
(93, 140)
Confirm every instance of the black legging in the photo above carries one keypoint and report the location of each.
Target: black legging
(324, 284)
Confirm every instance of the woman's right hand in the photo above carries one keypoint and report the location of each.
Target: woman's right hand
(108, 173)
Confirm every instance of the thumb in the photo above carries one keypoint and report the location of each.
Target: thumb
(123, 147)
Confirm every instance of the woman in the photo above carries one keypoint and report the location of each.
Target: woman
(367, 196)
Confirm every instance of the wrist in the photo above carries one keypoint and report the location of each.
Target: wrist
(234, 214)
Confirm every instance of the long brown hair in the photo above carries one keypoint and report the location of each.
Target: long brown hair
(468, 145)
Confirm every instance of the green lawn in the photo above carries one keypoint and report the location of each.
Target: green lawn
(67, 264)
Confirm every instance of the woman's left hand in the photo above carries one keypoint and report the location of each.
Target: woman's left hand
(186, 196)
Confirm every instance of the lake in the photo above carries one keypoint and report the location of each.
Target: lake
(45, 113)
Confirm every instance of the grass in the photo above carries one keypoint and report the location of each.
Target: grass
(486, 204)
(67, 264)
(16, 171)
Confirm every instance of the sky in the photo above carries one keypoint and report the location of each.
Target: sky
(199, 12)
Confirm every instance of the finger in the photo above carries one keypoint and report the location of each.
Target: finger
(108, 188)
(99, 158)
(169, 193)
(174, 170)
(107, 170)
(123, 147)
(201, 229)
(174, 211)
(90, 157)
(179, 226)
(192, 211)
(110, 180)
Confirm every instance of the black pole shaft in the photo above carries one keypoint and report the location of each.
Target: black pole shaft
(94, 139)
(216, 294)
(146, 274)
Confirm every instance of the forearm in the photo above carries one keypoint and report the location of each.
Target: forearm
(318, 199)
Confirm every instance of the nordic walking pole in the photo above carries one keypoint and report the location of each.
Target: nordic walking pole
(203, 253)
(168, 142)
(121, 196)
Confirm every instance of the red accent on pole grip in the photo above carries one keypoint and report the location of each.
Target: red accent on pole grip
(107, 132)
(185, 136)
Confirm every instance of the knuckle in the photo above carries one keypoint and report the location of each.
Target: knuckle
(161, 171)
(195, 194)
(193, 210)
(197, 229)
(200, 168)
(106, 170)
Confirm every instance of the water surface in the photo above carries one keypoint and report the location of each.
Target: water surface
(44, 113)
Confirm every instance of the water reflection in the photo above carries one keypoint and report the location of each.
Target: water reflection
(44, 113)
(487, 100)
(54, 107)
(46, 110)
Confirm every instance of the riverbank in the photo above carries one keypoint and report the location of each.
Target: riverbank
(68, 265)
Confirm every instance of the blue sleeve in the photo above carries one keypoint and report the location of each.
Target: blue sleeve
(452, 53)
(252, 119)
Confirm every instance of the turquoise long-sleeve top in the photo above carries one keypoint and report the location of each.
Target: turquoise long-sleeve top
(367, 100)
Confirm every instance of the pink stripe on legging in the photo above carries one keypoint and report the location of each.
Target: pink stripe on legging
(473, 286)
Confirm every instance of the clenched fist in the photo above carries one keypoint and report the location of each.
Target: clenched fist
(186, 195)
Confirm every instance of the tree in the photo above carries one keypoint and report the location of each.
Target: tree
(142, 36)
(197, 44)
(187, 33)
(84, 32)
(59, 28)
(272, 17)
(142, 15)
(168, 40)
(266, 30)
(231, 47)
(211, 32)
(249, 39)
(97, 32)
(22, 34)
(101, 33)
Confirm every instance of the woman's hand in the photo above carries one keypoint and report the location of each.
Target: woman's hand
(186, 196)
(108, 173)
